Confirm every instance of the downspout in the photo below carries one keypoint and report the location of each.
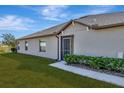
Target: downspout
(58, 52)
(57, 47)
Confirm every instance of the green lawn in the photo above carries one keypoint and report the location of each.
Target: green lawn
(18, 70)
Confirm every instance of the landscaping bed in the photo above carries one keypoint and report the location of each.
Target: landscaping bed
(114, 66)
(98, 70)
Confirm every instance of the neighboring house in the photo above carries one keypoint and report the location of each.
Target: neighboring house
(94, 35)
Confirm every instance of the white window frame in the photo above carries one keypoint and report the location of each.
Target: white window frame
(26, 45)
(42, 45)
(18, 46)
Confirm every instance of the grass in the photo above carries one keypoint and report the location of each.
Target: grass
(24, 71)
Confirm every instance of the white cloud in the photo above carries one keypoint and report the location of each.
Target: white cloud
(54, 12)
(14, 22)
(60, 12)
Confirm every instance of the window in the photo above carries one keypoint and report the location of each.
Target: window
(18, 46)
(42, 46)
(26, 45)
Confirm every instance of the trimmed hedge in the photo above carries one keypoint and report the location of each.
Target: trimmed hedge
(112, 64)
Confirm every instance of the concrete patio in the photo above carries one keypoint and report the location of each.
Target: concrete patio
(88, 73)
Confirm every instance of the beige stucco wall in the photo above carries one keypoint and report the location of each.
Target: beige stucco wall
(33, 47)
(104, 42)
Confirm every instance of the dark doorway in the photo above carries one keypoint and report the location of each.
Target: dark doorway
(66, 45)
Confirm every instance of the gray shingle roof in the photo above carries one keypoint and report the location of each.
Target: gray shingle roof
(50, 31)
(103, 19)
(93, 21)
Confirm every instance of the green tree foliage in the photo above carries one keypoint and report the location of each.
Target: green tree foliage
(8, 39)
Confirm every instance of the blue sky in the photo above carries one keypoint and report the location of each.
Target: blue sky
(24, 20)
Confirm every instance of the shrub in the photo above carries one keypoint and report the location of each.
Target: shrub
(71, 59)
(14, 50)
(113, 64)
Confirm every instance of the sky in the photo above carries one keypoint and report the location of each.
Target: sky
(23, 20)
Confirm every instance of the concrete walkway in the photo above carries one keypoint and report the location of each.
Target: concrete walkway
(92, 74)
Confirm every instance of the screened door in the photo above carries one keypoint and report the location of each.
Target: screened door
(66, 46)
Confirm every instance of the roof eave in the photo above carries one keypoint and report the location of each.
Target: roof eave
(107, 26)
(37, 36)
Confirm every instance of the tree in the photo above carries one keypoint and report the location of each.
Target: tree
(9, 39)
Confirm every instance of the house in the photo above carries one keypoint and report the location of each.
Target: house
(94, 35)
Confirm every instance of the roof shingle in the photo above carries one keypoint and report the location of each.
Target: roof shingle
(97, 21)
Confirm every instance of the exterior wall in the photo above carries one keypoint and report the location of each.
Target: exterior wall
(105, 42)
(33, 47)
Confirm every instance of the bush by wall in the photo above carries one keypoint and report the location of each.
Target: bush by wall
(13, 50)
(113, 64)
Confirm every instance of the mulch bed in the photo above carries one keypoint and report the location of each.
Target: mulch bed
(98, 70)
